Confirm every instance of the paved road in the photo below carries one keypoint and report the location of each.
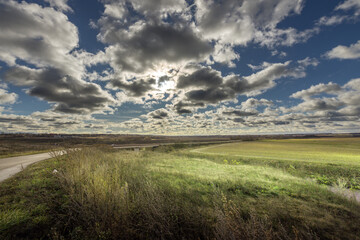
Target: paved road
(13, 165)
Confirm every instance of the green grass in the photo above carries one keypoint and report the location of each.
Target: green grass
(344, 151)
(31, 202)
(102, 194)
(325, 160)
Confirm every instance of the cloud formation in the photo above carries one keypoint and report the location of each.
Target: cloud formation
(46, 39)
(6, 97)
(203, 66)
(70, 95)
(344, 52)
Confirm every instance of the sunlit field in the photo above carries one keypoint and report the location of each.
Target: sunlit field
(327, 160)
(247, 190)
(344, 151)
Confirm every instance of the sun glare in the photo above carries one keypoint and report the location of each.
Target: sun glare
(164, 82)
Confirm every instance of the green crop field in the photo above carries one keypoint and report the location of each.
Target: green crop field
(280, 189)
(327, 160)
(333, 150)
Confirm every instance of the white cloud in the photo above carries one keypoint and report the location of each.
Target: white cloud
(330, 21)
(344, 52)
(330, 88)
(349, 4)
(343, 105)
(225, 54)
(6, 97)
(60, 4)
(115, 10)
(239, 22)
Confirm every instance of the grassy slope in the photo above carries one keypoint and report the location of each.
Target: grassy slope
(106, 195)
(336, 151)
(327, 160)
(31, 202)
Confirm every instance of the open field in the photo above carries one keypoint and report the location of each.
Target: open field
(21, 144)
(12, 145)
(198, 193)
(327, 160)
(324, 150)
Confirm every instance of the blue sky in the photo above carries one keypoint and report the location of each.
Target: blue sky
(179, 67)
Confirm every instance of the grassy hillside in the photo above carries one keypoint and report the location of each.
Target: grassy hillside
(328, 160)
(345, 151)
(101, 194)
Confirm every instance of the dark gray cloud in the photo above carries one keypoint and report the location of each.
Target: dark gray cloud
(13, 119)
(140, 49)
(262, 80)
(136, 88)
(240, 113)
(185, 107)
(215, 88)
(40, 36)
(211, 95)
(70, 95)
(319, 105)
(46, 39)
(204, 77)
(159, 114)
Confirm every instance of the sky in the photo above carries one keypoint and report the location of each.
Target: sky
(180, 67)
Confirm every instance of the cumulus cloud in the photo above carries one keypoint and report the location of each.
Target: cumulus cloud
(329, 88)
(46, 39)
(344, 101)
(135, 88)
(6, 97)
(60, 4)
(145, 43)
(146, 46)
(344, 52)
(158, 7)
(253, 103)
(69, 94)
(263, 80)
(225, 54)
(202, 77)
(239, 113)
(208, 86)
(237, 22)
(168, 52)
(318, 105)
(40, 36)
(50, 121)
(159, 114)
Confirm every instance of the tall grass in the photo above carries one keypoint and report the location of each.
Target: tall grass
(114, 198)
(150, 195)
(98, 193)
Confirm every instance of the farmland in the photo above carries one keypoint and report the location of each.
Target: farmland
(267, 189)
(328, 160)
(327, 150)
